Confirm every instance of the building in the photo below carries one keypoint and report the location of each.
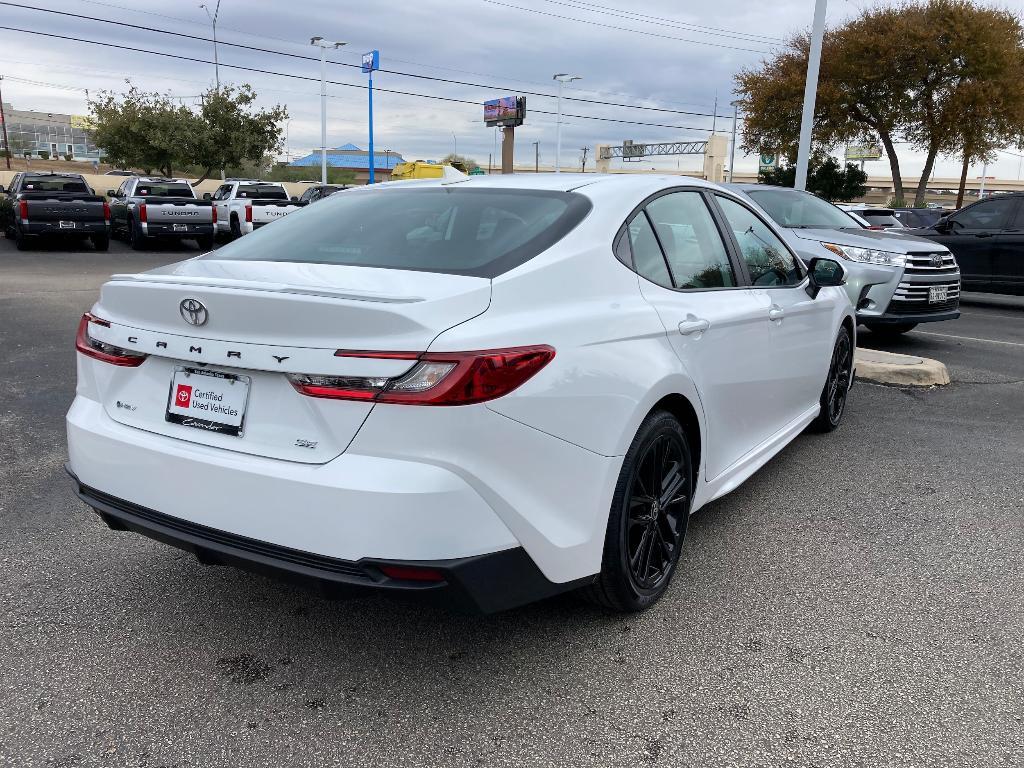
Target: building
(355, 159)
(56, 134)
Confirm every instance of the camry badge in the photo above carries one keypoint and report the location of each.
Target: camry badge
(193, 311)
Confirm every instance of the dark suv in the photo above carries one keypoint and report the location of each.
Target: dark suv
(987, 239)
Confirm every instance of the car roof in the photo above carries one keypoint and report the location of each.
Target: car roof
(567, 182)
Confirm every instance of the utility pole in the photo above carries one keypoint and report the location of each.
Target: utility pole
(536, 157)
(213, 20)
(3, 122)
(583, 164)
(562, 78)
(810, 94)
(322, 45)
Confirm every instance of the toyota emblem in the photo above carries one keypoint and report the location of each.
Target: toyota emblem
(936, 260)
(193, 311)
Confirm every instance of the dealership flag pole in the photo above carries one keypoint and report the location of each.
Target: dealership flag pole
(810, 94)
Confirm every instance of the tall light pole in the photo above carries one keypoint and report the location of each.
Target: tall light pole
(732, 147)
(562, 78)
(322, 45)
(455, 144)
(810, 94)
(536, 157)
(213, 20)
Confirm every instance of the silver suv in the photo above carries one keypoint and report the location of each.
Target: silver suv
(894, 280)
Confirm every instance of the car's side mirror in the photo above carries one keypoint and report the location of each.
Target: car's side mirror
(824, 273)
(295, 199)
(111, 193)
(207, 196)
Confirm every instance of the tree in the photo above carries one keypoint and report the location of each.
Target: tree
(460, 162)
(913, 72)
(142, 130)
(825, 178)
(230, 131)
(151, 130)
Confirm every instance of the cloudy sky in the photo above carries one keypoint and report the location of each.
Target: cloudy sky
(672, 58)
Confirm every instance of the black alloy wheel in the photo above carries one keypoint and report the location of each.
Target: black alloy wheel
(648, 518)
(837, 385)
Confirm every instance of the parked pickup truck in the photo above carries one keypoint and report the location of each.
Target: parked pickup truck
(56, 205)
(144, 208)
(244, 205)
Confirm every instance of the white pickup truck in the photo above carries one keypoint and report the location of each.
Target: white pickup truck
(246, 204)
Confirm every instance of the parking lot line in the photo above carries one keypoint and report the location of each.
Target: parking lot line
(971, 338)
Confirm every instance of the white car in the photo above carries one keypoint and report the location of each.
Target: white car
(485, 391)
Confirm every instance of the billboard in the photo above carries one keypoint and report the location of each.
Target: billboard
(863, 152)
(508, 110)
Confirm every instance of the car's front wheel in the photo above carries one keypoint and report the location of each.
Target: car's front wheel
(648, 518)
(837, 385)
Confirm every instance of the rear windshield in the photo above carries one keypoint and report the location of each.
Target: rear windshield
(479, 232)
(881, 218)
(53, 184)
(261, 192)
(799, 210)
(154, 189)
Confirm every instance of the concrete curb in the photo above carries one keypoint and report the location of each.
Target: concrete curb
(899, 370)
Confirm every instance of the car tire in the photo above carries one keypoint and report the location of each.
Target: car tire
(890, 331)
(136, 240)
(643, 527)
(837, 385)
(205, 243)
(21, 241)
(100, 242)
(236, 227)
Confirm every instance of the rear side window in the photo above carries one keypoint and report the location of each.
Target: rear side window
(163, 190)
(696, 255)
(261, 192)
(648, 259)
(478, 231)
(991, 214)
(769, 261)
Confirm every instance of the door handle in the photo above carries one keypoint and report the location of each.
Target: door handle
(776, 313)
(692, 325)
(984, 234)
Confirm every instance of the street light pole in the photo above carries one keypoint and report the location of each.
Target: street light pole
(732, 147)
(322, 45)
(213, 20)
(562, 78)
(810, 94)
(455, 144)
(536, 157)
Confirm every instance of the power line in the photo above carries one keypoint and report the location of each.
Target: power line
(198, 60)
(624, 29)
(304, 57)
(663, 21)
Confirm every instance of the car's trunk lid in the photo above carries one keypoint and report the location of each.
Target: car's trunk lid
(263, 320)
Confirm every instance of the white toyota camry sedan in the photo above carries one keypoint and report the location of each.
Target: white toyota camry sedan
(482, 391)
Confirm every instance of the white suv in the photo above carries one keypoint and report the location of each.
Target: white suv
(484, 391)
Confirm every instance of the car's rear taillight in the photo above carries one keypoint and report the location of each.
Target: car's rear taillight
(142, 213)
(100, 350)
(248, 214)
(213, 210)
(23, 209)
(106, 211)
(437, 378)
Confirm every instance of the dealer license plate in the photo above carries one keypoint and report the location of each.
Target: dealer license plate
(938, 294)
(208, 400)
(181, 227)
(67, 225)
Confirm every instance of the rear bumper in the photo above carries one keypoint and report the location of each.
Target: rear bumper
(81, 228)
(480, 584)
(167, 230)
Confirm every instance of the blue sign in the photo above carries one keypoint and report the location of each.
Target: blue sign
(371, 61)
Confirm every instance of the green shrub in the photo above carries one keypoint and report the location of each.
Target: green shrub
(68, 156)
(44, 155)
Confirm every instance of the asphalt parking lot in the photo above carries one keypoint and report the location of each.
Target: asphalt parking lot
(858, 602)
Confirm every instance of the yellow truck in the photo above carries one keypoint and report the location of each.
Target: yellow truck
(421, 169)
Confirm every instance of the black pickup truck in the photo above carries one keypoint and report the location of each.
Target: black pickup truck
(56, 205)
